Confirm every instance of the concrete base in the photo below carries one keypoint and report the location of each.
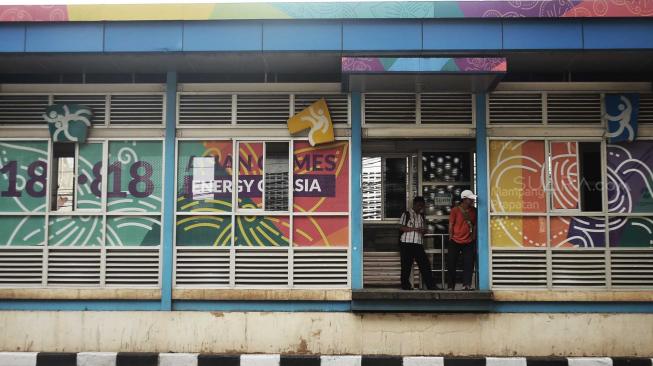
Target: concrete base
(495, 334)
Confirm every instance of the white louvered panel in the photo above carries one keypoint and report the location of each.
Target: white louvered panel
(22, 109)
(262, 108)
(74, 267)
(204, 109)
(136, 109)
(390, 108)
(338, 105)
(383, 269)
(573, 109)
(518, 268)
(266, 267)
(509, 108)
(202, 267)
(437, 108)
(645, 108)
(132, 267)
(578, 268)
(21, 266)
(632, 268)
(320, 267)
(97, 103)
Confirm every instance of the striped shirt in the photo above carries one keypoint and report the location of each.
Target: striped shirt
(412, 220)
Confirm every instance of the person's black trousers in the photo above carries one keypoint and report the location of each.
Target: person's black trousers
(414, 252)
(453, 250)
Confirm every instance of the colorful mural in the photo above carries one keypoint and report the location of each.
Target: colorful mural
(630, 178)
(631, 232)
(203, 230)
(23, 176)
(250, 175)
(421, 64)
(517, 176)
(89, 177)
(22, 230)
(262, 231)
(330, 10)
(133, 231)
(328, 231)
(135, 172)
(204, 176)
(321, 177)
(518, 231)
(564, 175)
(78, 231)
(577, 232)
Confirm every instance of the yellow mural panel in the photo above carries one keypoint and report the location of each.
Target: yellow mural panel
(115, 12)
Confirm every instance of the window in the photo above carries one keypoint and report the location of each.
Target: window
(279, 234)
(590, 236)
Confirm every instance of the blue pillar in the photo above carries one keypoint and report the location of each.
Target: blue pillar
(169, 193)
(483, 194)
(356, 193)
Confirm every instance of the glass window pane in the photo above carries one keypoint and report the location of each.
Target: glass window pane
(276, 176)
(577, 232)
(204, 176)
(133, 231)
(631, 232)
(321, 177)
(395, 177)
(324, 231)
(371, 184)
(204, 230)
(630, 177)
(63, 177)
(22, 230)
(134, 176)
(262, 231)
(23, 176)
(78, 231)
(89, 177)
(518, 231)
(564, 175)
(445, 167)
(517, 176)
(591, 196)
(250, 175)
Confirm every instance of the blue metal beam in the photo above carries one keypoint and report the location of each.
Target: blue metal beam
(169, 205)
(483, 206)
(356, 192)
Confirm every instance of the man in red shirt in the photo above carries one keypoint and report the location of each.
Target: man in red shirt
(462, 239)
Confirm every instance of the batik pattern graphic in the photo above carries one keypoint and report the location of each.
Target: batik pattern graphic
(564, 175)
(77, 231)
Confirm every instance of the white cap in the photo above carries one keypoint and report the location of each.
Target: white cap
(468, 194)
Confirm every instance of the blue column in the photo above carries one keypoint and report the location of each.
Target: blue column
(356, 193)
(169, 193)
(483, 194)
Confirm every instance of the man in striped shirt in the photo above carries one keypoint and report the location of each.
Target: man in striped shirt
(411, 246)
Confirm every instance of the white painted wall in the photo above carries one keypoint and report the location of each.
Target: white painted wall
(329, 333)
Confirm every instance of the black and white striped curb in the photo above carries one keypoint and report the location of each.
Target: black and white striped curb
(193, 359)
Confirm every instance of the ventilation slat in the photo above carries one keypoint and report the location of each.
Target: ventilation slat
(23, 109)
(136, 109)
(132, 267)
(262, 109)
(338, 105)
(507, 108)
(390, 108)
(446, 108)
(97, 104)
(519, 268)
(73, 267)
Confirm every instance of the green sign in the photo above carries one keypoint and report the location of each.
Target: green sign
(68, 122)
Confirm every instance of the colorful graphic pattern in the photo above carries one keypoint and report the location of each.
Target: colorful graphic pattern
(518, 231)
(316, 119)
(564, 175)
(517, 176)
(134, 176)
(68, 122)
(204, 230)
(250, 175)
(630, 177)
(217, 175)
(421, 65)
(22, 230)
(631, 232)
(577, 232)
(262, 231)
(328, 231)
(133, 231)
(77, 231)
(321, 177)
(332, 10)
(23, 176)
